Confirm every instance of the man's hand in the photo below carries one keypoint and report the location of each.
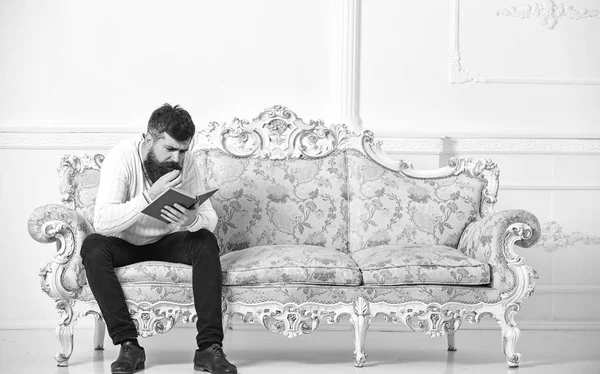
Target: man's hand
(169, 180)
(179, 215)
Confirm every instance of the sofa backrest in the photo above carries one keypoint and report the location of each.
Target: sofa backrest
(283, 181)
(390, 207)
(262, 201)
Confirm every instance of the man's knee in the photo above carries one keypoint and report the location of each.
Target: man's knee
(94, 245)
(205, 241)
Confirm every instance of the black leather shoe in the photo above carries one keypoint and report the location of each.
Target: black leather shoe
(131, 359)
(213, 360)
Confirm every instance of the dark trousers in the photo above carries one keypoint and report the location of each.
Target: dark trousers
(102, 254)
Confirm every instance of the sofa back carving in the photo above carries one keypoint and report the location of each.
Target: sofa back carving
(80, 177)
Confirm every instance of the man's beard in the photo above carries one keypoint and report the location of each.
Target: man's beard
(156, 169)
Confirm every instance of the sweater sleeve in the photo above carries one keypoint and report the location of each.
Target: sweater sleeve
(113, 212)
(206, 218)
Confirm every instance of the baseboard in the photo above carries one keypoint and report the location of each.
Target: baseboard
(344, 325)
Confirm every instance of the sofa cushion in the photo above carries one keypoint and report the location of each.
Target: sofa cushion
(155, 272)
(388, 207)
(267, 202)
(278, 264)
(419, 264)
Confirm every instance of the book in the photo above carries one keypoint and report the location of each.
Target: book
(173, 196)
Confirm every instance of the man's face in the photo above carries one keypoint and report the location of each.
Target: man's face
(165, 155)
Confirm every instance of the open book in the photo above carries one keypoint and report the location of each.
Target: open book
(173, 196)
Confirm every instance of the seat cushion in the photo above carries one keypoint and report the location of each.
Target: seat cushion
(419, 264)
(154, 272)
(278, 264)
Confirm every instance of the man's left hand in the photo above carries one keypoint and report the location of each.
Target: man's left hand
(179, 215)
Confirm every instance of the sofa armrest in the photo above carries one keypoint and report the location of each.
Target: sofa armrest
(491, 240)
(62, 278)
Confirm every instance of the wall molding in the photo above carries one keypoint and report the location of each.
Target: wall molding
(350, 61)
(74, 138)
(549, 187)
(412, 145)
(65, 140)
(521, 146)
(553, 238)
(458, 75)
(550, 12)
(567, 288)
(346, 59)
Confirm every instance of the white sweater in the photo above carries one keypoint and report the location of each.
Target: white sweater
(119, 201)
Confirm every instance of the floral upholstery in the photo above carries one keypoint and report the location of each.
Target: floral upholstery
(481, 241)
(153, 281)
(387, 207)
(375, 294)
(278, 264)
(266, 202)
(394, 265)
(150, 293)
(299, 294)
(155, 272)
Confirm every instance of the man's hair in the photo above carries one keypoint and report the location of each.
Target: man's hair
(174, 121)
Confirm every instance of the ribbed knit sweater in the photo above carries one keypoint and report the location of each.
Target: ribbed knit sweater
(120, 201)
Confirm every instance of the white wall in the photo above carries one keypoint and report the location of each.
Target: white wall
(76, 76)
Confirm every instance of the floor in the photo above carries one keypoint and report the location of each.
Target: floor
(32, 351)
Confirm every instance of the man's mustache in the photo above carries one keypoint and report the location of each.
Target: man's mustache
(172, 165)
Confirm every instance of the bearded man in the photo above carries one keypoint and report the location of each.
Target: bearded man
(133, 174)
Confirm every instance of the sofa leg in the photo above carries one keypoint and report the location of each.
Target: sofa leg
(64, 331)
(64, 334)
(451, 342)
(360, 321)
(510, 335)
(99, 331)
(226, 323)
(226, 319)
(360, 325)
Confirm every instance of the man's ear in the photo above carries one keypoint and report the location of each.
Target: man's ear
(148, 139)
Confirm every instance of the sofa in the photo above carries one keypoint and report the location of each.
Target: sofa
(316, 225)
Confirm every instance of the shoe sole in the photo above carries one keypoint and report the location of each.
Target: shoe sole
(200, 368)
(137, 368)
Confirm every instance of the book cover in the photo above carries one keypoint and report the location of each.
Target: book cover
(171, 197)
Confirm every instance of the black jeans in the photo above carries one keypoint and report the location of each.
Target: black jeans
(102, 254)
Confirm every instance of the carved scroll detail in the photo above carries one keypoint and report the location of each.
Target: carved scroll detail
(70, 166)
(159, 319)
(278, 133)
(432, 320)
(436, 322)
(290, 322)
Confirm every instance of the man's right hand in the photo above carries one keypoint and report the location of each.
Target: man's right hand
(169, 180)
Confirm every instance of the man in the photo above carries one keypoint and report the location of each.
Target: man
(133, 174)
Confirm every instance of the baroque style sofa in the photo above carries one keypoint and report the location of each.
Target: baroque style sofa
(316, 223)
